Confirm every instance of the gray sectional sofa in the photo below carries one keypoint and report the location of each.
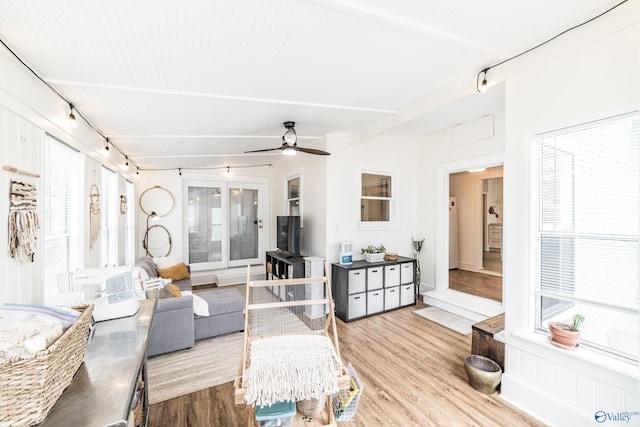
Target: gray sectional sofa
(176, 327)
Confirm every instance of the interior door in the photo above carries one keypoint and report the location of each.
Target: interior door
(245, 224)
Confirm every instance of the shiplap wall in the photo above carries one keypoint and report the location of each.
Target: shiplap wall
(560, 387)
(21, 145)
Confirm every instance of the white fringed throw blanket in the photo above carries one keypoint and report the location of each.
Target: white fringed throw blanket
(291, 368)
(23, 221)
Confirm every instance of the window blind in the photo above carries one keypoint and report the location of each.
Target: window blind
(588, 231)
(59, 174)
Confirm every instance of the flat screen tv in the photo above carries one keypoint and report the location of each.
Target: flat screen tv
(288, 234)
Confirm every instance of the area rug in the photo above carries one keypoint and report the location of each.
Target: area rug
(210, 362)
(449, 320)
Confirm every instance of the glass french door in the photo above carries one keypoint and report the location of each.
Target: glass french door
(223, 224)
(245, 225)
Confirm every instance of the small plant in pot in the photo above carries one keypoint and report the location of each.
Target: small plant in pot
(374, 253)
(566, 335)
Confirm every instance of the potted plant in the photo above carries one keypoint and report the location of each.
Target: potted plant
(566, 335)
(374, 253)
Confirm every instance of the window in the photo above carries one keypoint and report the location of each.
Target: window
(62, 196)
(588, 242)
(204, 223)
(376, 198)
(110, 206)
(130, 218)
(294, 199)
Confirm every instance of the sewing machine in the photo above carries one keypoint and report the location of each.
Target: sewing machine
(110, 290)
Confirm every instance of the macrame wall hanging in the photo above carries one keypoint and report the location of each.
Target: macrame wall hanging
(23, 221)
(94, 215)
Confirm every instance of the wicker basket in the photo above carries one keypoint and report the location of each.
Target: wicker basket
(311, 407)
(31, 384)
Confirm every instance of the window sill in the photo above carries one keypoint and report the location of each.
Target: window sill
(582, 359)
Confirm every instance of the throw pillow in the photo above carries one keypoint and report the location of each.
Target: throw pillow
(175, 273)
(200, 306)
(169, 291)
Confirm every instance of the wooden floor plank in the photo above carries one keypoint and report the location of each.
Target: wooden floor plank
(413, 375)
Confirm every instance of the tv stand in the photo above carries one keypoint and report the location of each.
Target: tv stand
(284, 265)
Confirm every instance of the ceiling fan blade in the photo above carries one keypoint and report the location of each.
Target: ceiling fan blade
(262, 151)
(313, 151)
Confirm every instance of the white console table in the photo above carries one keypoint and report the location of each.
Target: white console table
(102, 391)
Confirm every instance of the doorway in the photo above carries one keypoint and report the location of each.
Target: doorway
(470, 227)
(224, 225)
(475, 230)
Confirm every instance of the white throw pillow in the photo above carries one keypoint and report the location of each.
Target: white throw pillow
(200, 306)
(166, 261)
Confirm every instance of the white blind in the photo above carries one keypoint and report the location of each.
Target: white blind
(59, 174)
(589, 220)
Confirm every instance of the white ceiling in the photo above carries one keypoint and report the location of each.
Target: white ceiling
(194, 84)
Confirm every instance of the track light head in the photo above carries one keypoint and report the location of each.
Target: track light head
(72, 118)
(483, 85)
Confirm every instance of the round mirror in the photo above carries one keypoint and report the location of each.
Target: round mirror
(157, 199)
(157, 241)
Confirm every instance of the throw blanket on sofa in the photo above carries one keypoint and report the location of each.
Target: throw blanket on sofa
(291, 367)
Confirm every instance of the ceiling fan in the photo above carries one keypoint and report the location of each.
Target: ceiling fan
(289, 145)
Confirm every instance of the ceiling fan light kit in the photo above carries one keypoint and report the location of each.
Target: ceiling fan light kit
(289, 145)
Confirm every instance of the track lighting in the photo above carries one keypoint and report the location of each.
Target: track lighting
(228, 171)
(137, 170)
(126, 161)
(106, 148)
(72, 118)
(179, 171)
(483, 85)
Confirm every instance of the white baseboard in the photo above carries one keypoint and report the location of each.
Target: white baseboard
(541, 405)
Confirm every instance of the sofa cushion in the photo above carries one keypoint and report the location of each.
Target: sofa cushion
(222, 301)
(175, 273)
(147, 264)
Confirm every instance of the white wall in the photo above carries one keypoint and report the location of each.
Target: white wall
(385, 153)
(597, 81)
(313, 170)
(28, 111)
(436, 152)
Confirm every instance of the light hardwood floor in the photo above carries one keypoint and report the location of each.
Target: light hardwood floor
(412, 371)
(479, 284)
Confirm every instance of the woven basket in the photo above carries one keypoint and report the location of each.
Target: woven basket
(311, 407)
(31, 384)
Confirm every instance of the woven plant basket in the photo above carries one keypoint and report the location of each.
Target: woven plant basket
(311, 407)
(31, 384)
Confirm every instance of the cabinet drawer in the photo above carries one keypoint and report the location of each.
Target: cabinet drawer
(391, 275)
(375, 301)
(391, 298)
(406, 272)
(374, 278)
(357, 281)
(407, 295)
(357, 305)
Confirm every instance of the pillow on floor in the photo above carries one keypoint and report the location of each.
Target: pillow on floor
(175, 273)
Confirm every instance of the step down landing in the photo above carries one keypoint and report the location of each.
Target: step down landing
(465, 305)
